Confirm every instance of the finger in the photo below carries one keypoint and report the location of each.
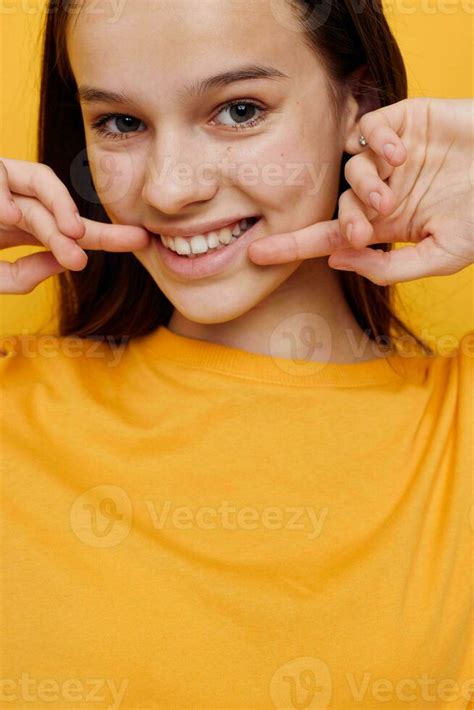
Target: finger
(318, 239)
(354, 220)
(362, 174)
(384, 170)
(37, 220)
(40, 181)
(113, 237)
(24, 274)
(9, 210)
(404, 264)
(382, 127)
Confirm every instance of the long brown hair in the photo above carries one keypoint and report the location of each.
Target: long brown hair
(114, 295)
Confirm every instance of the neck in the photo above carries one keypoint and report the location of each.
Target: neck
(306, 317)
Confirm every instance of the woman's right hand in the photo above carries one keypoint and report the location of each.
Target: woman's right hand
(36, 208)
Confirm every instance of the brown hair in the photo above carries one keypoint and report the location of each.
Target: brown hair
(114, 295)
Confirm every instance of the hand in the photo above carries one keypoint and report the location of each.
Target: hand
(36, 208)
(426, 192)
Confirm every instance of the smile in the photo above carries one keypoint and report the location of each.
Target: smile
(211, 241)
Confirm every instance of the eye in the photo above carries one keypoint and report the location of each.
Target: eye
(122, 121)
(239, 111)
(128, 125)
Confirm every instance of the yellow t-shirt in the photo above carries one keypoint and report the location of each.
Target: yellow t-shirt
(188, 525)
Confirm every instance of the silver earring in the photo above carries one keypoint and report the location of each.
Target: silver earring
(362, 141)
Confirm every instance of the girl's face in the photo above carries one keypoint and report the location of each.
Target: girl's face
(179, 148)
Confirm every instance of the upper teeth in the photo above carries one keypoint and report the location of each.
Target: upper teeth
(200, 243)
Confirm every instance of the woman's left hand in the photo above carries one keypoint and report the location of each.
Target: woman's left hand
(426, 190)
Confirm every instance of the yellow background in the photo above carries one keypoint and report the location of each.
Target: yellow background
(435, 37)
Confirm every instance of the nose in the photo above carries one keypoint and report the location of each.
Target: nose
(177, 173)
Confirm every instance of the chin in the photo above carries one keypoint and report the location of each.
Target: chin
(210, 316)
(221, 300)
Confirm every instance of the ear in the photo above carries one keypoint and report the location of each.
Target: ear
(362, 97)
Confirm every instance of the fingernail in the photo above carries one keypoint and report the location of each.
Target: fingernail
(78, 249)
(375, 200)
(388, 149)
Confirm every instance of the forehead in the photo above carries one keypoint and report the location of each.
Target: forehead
(174, 40)
(182, 18)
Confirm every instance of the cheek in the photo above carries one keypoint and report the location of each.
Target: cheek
(116, 178)
(293, 173)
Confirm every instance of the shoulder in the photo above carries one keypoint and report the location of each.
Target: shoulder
(49, 382)
(459, 361)
(465, 354)
(463, 365)
(452, 374)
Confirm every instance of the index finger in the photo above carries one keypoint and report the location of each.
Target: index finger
(40, 181)
(319, 239)
(112, 237)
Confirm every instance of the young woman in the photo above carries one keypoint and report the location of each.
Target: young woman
(227, 482)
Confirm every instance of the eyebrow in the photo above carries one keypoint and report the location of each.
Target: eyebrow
(92, 94)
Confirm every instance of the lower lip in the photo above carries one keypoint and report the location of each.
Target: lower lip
(202, 265)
